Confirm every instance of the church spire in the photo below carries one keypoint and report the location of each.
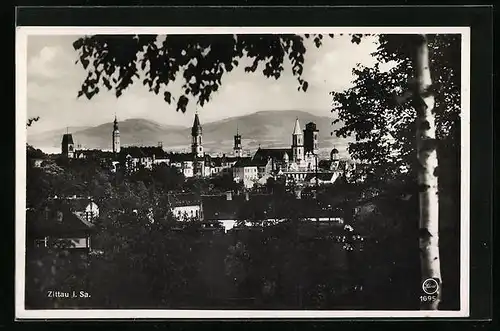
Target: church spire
(115, 124)
(115, 136)
(196, 133)
(296, 129)
(297, 142)
(238, 152)
(196, 129)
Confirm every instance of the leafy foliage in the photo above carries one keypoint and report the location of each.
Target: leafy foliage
(137, 262)
(278, 264)
(116, 62)
(383, 127)
(383, 124)
(32, 120)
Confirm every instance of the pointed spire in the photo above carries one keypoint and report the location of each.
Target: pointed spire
(296, 129)
(115, 124)
(196, 129)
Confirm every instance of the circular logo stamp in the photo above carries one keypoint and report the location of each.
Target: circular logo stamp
(430, 286)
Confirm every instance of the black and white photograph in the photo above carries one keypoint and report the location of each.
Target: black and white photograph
(242, 172)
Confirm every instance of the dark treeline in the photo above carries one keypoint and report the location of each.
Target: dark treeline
(292, 265)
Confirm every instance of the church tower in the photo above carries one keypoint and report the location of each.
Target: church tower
(116, 137)
(297, 142)
(238, 151)
(68, 146)
(196, 133)
(311, 138)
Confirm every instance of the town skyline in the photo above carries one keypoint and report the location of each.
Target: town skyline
(264, 129)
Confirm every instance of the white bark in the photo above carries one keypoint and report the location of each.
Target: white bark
(427, 176)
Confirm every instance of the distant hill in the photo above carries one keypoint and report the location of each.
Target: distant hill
(267, 128)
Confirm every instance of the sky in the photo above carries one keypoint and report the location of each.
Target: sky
(54, 80)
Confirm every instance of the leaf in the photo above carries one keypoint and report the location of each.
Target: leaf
(182, 103)
(305, 85)
(167, 96)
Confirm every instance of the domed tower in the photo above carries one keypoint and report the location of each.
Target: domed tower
(116, 137)
(196, 133)
(334, 154)
(297, 142)
(286, 160)
(334, 158)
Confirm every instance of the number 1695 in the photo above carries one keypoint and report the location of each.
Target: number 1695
(427, 298)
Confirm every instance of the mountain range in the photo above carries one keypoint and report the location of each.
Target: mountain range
(265, 128)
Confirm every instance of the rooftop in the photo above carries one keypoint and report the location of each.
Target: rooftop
(263, 206)
(183, 199)
(55, 222)
(273, 153)
(143, 151)
(67, 139)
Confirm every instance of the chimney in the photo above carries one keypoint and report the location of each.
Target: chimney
(229, 195)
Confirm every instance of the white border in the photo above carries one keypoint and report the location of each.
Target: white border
(22, 34)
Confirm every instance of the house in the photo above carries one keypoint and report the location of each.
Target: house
(93, 154)
(135, 157)
(246, 171)
(344, 167)
(59, 228)
(278, 157)
(254, 209)
(321, 178)
(220, 209)
(221, 164)
(114, 166)
(84, 208)
(185, 206)
(182, 161)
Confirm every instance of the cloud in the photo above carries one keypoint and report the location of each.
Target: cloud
(43, 64)
(53, 63)
(333, 69)
(54, 80)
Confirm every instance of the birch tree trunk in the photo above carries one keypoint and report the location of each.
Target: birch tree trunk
(427, 179)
